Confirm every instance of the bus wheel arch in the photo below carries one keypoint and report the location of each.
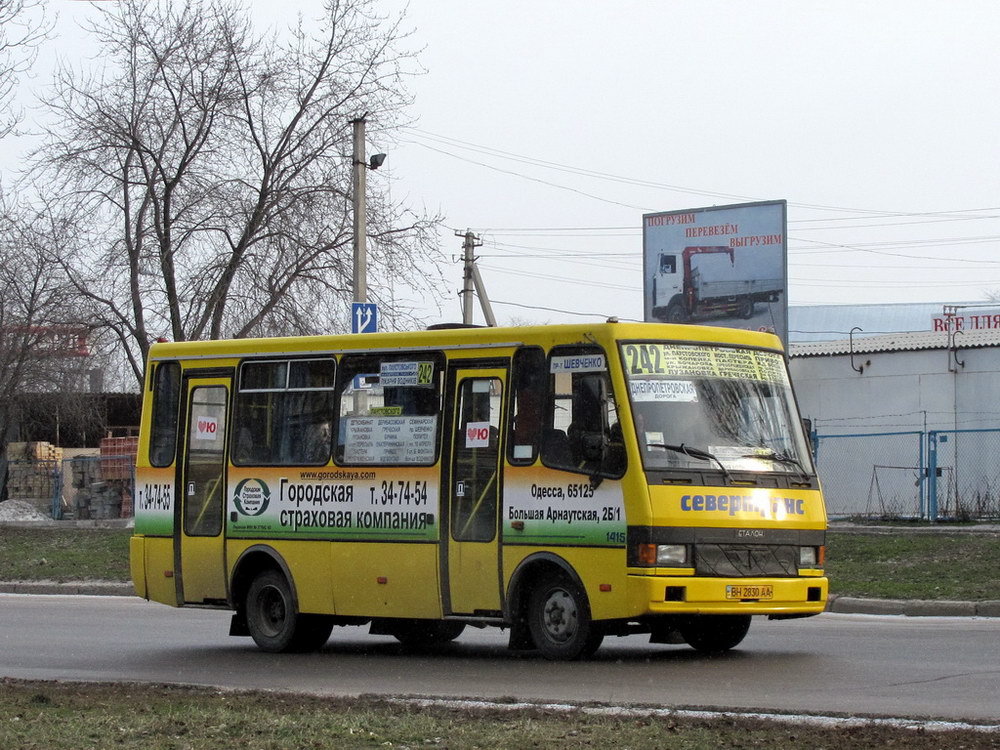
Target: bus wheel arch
(550, 611)
(267, 605)
(251, 563)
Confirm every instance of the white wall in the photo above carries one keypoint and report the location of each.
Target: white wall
(897, 392)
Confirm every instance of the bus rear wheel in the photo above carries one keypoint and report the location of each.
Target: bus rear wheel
(559, 620)
(713, 634)
(274, 623)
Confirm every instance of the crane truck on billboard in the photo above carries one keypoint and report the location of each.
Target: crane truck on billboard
(723, 265)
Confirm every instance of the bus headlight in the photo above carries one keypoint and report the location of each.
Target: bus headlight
(671, 554)
(809, 557)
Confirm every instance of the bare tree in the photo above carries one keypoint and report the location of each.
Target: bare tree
(43, 342)
(213, 167)
(23, 26)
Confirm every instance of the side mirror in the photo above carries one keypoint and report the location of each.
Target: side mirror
(807, 427)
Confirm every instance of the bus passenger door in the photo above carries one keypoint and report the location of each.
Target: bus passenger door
(470, 556)
(200, 546)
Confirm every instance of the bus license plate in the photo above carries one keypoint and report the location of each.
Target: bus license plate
(749, 592)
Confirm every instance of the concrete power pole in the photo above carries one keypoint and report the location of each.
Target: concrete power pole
(472, 278)
(360, 223)
(471, 243)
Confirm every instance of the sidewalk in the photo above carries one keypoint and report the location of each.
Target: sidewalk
(838, 604)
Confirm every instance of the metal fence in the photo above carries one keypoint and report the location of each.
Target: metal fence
(964, 474)
(82, 487)
(936, 475)
(875, 475)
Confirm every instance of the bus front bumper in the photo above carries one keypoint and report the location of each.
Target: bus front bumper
(662, 595)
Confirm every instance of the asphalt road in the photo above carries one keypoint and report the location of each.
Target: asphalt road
(930, 667)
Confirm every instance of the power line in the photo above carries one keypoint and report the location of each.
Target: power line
(535, 179)
(878, 284)
(520, 158)
(840, 248)
(554, 253)
(564, 312)
(487, 150)
(563, 279)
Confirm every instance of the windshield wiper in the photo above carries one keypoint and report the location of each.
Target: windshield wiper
(687, 450)
(781, 458)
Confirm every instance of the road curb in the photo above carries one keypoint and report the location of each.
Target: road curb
(77, 588)
(912, 608)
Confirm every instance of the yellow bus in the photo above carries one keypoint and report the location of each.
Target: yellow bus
(566, 482)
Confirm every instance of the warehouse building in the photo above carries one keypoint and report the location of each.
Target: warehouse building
(906, 424)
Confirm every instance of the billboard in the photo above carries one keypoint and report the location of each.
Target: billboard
(720, 266)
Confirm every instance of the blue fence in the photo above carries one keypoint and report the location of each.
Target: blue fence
(964, 474)
(934, 474)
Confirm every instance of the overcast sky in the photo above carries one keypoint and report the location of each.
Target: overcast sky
(549, 128)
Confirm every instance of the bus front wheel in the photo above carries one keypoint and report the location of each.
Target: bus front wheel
(559, 620)
(274, 623)
(714, 634)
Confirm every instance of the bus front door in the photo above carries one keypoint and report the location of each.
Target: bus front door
(471, 576)
(203, 488)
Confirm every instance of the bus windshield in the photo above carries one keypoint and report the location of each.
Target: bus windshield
(714, 407)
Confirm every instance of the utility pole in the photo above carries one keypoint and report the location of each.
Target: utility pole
(484, 300)
(471, 277)
(360, 224)
(471, 243)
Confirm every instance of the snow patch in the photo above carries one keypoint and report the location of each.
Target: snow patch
(19, 510)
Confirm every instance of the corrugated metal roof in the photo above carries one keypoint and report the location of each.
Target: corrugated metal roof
(833, 322)
(897, 342)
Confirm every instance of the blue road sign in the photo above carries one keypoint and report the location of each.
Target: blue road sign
(364, 317)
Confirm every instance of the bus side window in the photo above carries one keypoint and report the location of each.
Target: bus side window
(284, 413)
(582, 432)
(529, 381)
(474, 511)
(389, 409)
(166, 400)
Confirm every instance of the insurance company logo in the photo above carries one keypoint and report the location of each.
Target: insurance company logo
(251, 497)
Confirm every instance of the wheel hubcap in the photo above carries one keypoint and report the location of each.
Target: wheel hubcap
(271, 605)
(559, 616)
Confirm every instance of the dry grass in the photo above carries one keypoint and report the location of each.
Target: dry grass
(59, 715)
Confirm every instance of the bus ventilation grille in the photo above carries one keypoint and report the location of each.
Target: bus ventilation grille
(746, 561)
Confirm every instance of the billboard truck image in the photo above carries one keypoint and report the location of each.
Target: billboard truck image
(698, 281)
(717, 266)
